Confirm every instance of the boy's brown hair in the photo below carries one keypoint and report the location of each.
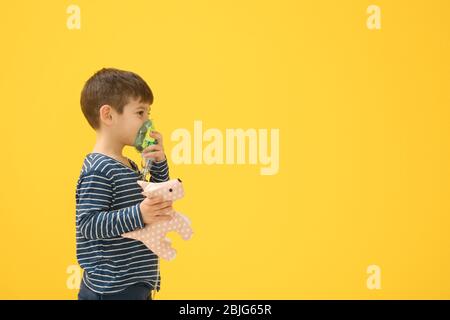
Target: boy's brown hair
(113, 87)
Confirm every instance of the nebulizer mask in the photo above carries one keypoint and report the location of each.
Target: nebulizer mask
(142, 141)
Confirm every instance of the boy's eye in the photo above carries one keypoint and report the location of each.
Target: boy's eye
(141, 113)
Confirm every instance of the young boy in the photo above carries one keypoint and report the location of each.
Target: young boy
(108, 199)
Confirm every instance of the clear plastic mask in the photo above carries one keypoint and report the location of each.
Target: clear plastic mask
(142, 141)
(143, 138)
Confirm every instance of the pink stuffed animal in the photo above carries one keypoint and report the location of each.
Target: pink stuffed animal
(153, 235)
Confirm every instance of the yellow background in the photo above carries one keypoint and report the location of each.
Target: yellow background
(364, 142)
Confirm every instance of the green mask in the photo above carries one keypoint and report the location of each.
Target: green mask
(142, 141)
(143, 138)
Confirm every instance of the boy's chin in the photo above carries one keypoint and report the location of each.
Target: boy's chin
(129, 143)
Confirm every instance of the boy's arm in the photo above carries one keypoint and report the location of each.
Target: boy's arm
(93, 217)
(159, 171)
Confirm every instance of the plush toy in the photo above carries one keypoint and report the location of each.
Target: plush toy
(153, 235)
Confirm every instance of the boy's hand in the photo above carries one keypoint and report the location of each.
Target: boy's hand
(156, 151)
(155, 209)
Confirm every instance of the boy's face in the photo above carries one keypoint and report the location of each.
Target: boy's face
(134, 115)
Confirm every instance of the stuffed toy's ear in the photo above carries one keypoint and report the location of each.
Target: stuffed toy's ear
(143, 184)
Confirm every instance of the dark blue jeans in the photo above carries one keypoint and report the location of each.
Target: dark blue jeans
(138, 291)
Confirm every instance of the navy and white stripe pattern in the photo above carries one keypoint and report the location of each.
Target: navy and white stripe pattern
(107, 205)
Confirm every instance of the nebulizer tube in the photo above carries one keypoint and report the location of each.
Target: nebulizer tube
(147, 165)
(142, 141)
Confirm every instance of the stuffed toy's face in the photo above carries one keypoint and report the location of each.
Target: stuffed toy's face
(170, 190)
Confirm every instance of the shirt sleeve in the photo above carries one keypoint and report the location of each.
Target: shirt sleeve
(94, 220)
(159, 171)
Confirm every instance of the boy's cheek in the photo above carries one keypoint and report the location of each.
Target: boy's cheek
(130, 137)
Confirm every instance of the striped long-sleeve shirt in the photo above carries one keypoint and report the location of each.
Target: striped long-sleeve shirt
(107, 205)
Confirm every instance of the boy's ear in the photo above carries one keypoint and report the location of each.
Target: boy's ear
(105, 114)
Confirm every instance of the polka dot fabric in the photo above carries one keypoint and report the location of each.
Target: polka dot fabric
(153, 235)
